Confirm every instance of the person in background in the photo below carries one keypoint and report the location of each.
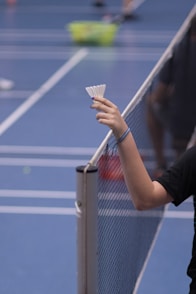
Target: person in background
(175, 185)
(127, 9)
(172, 104)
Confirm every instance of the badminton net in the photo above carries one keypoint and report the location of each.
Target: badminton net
(124, 237)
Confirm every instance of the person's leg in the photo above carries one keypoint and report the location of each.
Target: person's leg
(157, 132)
(127, 9)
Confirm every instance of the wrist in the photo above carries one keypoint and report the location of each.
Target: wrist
(123, 136)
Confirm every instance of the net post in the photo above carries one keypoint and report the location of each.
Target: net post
(86, 208)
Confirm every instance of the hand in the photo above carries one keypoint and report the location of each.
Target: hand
(109, 114)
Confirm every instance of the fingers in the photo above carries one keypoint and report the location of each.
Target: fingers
(106, 109)
(109, 114)
(100, 102)
(103, 105)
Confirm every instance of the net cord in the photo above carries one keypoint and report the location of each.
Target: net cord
(142, 90)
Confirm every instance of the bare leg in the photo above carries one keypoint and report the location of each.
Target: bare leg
(157, 132)
(127, 8)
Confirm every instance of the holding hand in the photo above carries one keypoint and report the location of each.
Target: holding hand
(109, 114)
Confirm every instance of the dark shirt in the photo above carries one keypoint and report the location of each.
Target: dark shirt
(180, 182)
(180, 72)
(180, 179)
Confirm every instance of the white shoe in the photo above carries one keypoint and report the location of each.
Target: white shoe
(6, 84)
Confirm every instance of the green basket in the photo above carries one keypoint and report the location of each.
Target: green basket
(93, 32)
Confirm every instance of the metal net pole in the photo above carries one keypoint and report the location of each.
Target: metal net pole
(86, 207)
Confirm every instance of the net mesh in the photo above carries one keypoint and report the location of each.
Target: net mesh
(125, 235)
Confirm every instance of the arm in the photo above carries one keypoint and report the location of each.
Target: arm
(145, 193)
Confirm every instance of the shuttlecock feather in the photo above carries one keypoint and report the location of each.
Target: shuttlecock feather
(96, 91)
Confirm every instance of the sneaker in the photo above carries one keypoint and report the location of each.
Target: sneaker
(115, 19)
(99, 4)
(6, 84)
(129, 17)
(121, 18)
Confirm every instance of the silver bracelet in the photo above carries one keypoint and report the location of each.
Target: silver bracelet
(123, 136)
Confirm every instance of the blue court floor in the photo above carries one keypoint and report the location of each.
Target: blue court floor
(47, 129)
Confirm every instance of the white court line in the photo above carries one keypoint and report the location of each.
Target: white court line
(46, 150)
(147, 214)
(51, 82)
(112, 53)
(58, 150)
(38, 194)
(38, 210)
(20, 94)
(179, 214)
(53, 36)
(41, 162)
(94, 56)
(72, 211)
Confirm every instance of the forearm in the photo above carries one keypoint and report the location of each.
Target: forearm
(137, 179)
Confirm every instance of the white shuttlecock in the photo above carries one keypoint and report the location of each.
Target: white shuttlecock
(96, 91)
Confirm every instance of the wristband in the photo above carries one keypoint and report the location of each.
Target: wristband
(123, 136)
